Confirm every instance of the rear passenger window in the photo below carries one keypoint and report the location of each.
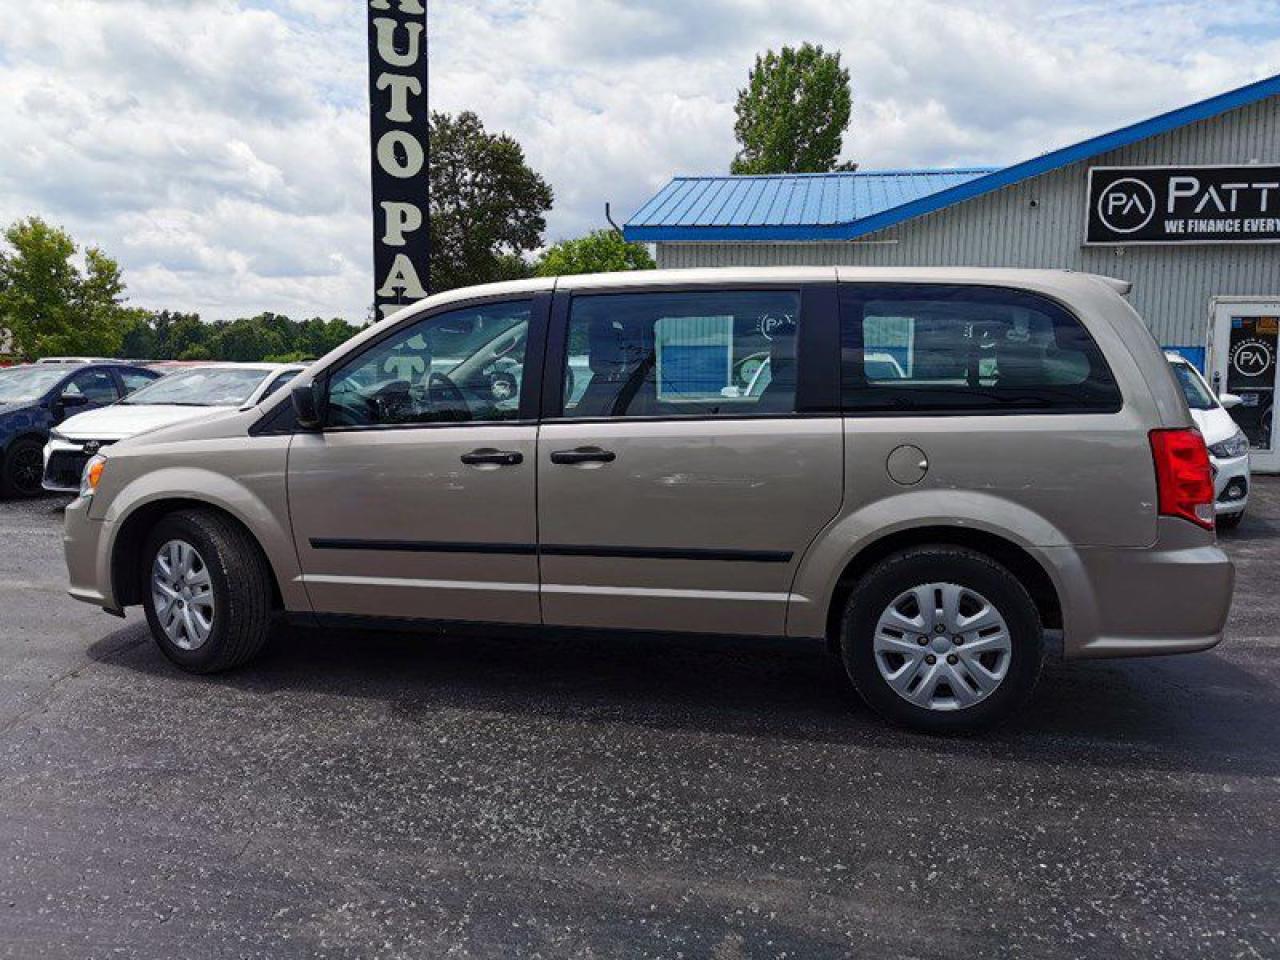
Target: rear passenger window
(721, 353)
(939, 349)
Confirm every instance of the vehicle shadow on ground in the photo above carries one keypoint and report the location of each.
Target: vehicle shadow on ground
(1250, 530)
(1198, 712)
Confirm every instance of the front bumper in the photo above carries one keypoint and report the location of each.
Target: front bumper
(1172, 597)
(1230, 484)
(86, 544)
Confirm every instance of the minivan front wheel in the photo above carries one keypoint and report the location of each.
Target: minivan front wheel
(942, 638)
(206, 591)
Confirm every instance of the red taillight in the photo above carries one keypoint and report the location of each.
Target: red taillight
(1184, 480)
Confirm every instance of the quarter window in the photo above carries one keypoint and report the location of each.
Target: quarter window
(462, 366)
(723, 353)
(967, 349)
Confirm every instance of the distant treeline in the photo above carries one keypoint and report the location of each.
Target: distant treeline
(166, 335)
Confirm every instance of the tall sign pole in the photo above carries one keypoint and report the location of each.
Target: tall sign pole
(398, 126)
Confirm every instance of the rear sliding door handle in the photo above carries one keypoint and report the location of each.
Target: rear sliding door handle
(583, 455)
(503, 458)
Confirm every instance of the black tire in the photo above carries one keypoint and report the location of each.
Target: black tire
(242, 589)
(894, 575)
(1229, 521)
(23, 469)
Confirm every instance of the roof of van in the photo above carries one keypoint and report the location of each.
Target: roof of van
(1062, 280)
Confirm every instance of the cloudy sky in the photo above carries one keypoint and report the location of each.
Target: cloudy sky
(219, 148)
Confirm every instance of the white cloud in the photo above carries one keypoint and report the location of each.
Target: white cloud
(219, 148)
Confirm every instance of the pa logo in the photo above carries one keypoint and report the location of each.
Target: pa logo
(1251, 358)
(773, 326)
(1127, 205)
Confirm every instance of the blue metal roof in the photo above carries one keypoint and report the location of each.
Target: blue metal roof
(844, 206)
(786, 202)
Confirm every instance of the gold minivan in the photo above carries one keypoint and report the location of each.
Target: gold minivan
(925, 468)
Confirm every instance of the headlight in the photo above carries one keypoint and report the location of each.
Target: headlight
(1234, 446)
(92, 474)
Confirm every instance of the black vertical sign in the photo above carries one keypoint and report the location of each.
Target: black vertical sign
(398, 125)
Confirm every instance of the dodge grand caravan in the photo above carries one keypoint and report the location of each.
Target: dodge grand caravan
(941, 466)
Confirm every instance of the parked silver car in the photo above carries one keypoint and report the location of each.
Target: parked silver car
(1026, 462)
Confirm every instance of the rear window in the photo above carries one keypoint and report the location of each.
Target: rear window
(917, 348)
(1194, 389)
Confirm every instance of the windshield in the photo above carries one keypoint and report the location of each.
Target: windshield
(28, 383)
(1193, 386)
(202, 387)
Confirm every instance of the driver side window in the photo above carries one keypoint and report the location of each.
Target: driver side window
(462, 366)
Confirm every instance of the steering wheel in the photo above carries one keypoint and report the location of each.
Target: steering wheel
(443, 392)
(390, 403)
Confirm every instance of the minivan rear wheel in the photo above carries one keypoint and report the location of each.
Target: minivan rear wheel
(942, 638)
(206, 589)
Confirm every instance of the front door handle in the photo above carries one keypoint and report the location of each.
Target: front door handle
(503, 458)
(583, 455)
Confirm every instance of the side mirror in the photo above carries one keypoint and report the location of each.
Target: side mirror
(69, 401)
(1229, 400)
(307, 404)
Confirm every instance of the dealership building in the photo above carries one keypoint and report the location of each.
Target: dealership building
(1185, 205)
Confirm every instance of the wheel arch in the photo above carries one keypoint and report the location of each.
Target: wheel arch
(1013, 556)
(126, 547)
(40, 437)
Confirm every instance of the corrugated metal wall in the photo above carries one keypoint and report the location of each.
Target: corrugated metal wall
(1172, 285)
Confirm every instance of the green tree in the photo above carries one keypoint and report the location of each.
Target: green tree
(249, 338)
(793, 113)
(197, 351)
(51, 306)
(600, 251)
(487, 205)
(139, 341)
(316, 337)
(187, 338)
(292, 356)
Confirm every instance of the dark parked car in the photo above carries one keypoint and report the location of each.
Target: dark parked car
(34, 398)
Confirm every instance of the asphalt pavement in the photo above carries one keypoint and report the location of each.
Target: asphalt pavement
(372, 795)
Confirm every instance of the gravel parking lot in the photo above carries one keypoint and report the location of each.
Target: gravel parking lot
(372, 795)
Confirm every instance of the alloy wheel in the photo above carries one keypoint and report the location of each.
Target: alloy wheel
(28, 469)
(183, 594)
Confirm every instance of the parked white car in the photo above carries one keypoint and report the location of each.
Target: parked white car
(184, 395)
(1228, 446)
